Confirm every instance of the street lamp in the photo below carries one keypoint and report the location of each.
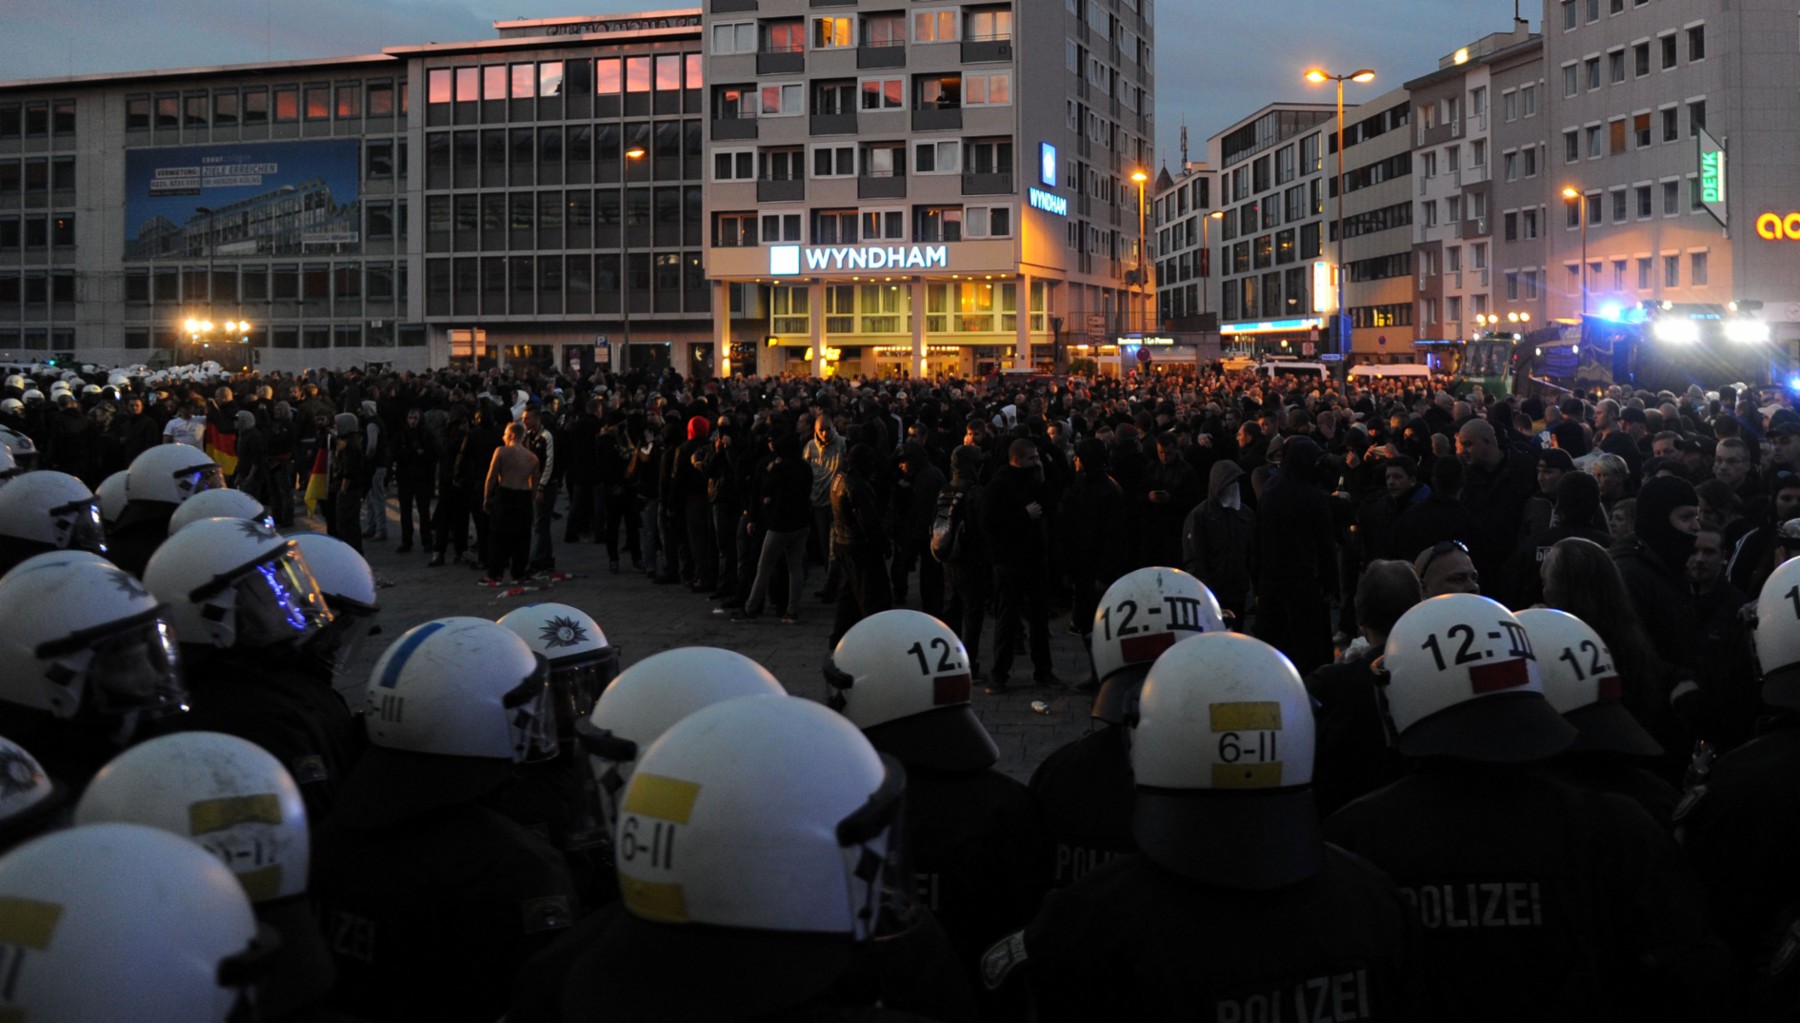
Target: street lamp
(634, 153)
(1140, 176)
(1206, 261)
(1318, 76)
(1570, 193)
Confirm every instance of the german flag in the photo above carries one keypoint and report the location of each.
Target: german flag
(221, 447)
(318, 484)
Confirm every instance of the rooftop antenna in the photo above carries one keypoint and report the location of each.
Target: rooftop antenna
(1184, 144)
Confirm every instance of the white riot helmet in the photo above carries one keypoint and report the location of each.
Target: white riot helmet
(1462, 682)
(351, 592)
(582, 663)
(33, 396)
(123, 922)
(28, 796)
(649, 697)
(1139, 616)
(171, 473)
(1778, 636)
(903, 678)
(223, 503)
(453, 704)
(110, 496)
(235, 584)
(766, 814)
(1582, 682)
(46, 511)
(17, 382)
(8, 467)
(23, 451)
(1222, 757)
(83, 636)
(226, 793)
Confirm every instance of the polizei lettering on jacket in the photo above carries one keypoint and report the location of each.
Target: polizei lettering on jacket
(1476, 904)
(1334, 998)
(875, 257)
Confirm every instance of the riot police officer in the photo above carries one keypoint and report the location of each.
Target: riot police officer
(1083, 790)
(1538, 900)
(433, 899)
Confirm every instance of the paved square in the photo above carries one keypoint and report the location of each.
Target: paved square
(642, 619)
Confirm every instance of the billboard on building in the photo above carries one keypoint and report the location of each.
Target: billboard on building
(242, 199)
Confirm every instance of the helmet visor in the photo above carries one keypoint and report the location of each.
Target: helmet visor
(77, 527)
(128, 666)
(531, 716)
(336, 643)
(576, 686)
(883, 894)
(278, 601)
(193, 480)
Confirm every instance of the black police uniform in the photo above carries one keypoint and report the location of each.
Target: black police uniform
(975, 851)
(286, 710)
(1539, 901)
(429, 917)
(1741, 832)
(1133, 941)
(1084, 797)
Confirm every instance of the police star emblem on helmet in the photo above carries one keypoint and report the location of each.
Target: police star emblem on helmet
(127, 585)
(17, 773)
(255, 530)
(562, 631)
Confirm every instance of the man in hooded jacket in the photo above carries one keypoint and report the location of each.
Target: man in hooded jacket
(1219, 538)
(1652, 563)
(1296, 559)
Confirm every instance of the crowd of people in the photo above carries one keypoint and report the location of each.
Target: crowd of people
(1410, 701)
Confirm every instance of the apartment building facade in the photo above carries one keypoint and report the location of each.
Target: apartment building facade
(927, 187)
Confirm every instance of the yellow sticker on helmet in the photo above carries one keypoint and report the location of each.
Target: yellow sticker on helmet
(28, 923)
(670, 799)
(1247, 716)
(209, 815)
(1247, 776)
(653, 901)
(261, 885)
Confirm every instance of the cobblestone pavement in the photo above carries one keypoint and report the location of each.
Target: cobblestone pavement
(643, 618)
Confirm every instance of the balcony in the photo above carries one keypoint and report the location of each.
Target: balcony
(1456, 127)
(734, 128)
(781, 62)
(986, 50)
(731, 6)
(784, 190)
(832, 124)
(881, 56)
(937, 119)
(999, 183)
(892, 186)
(1473, 175)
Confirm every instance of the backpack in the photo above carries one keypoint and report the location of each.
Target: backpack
(950, 527)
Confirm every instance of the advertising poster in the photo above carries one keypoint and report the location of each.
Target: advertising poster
(242, 199)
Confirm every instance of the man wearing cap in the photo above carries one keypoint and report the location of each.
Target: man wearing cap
(1538, 901)
(1552, 463)
(1577, 513)
(1784, 441)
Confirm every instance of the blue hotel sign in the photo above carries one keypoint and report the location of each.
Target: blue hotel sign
(1049, 203)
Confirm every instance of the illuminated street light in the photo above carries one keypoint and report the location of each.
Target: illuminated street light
(1319, 76)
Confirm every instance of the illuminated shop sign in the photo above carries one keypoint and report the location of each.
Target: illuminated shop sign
(1775, 227)
(1148, 342)
(1047, 164)
(1271, 326)
(1712, 175)
(1043, 200)
(790, 260)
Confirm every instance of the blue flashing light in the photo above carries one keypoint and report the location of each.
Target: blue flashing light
(1611, 311)
(1794, 384)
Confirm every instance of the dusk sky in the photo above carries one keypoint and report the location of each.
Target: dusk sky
(1216, 62)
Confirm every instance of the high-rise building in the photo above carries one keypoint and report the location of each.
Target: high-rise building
(893, 187)
(1676, 123)
(454, 200)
